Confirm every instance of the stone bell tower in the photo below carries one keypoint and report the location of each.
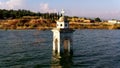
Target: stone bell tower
(62, 37)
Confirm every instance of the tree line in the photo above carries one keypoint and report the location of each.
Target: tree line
(13, 14)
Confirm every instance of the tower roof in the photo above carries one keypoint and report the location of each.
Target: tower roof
(62, 19)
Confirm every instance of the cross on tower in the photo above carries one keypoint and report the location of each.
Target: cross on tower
(62, 12)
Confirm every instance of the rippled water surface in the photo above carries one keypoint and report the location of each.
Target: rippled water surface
(33, 49)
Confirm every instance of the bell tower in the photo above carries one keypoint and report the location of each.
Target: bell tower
(62, 22)
(62, 37)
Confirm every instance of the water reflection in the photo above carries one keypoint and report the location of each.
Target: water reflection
(65, 61)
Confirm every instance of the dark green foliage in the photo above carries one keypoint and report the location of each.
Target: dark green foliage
(98, 19)
(12, 14)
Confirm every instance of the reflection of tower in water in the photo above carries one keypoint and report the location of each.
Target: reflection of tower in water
(63, 62)
(62, 43)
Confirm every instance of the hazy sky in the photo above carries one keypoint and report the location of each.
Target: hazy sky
(106, 9)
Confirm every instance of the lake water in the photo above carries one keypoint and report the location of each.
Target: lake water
(33, 49)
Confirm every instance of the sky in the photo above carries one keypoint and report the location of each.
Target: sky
(105, 9)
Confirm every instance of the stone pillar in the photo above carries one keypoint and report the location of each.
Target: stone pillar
(62, 42)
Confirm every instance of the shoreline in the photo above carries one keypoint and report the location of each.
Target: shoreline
(47, 24)
(76, 28)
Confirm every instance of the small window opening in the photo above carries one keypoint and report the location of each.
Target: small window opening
(60, 24)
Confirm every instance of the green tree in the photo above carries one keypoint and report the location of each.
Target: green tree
(97, 19)
(12, 14)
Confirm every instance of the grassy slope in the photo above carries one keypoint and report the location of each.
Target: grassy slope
(41, 24)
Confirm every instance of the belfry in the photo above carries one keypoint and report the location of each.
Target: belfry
(62, 37)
